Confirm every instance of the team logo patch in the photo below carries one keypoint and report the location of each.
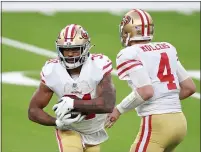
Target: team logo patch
(74, 85)
(84, 34)
(68, 43)
(137, 27)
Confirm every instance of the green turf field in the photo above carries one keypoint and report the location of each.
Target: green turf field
(21, 135)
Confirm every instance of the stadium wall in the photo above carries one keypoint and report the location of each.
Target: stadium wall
(112, 7)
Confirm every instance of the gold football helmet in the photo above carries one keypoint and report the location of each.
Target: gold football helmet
(136, 25)
(73, 36)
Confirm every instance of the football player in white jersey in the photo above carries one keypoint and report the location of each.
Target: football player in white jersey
(83, 84)
(158, 81)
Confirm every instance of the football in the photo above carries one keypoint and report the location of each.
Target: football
(74, 114)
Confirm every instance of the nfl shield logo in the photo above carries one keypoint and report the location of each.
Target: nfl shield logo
(68, 43)
(74, 85)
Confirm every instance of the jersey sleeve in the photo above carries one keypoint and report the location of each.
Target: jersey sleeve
(173, 48)
(181, 71)
(42, 75)
(103, 63)
(107, 66)
(46, 72)
(127, 61)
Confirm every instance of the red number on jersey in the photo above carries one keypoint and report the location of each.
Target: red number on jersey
(85, 97)
(96, 55)
(164, 63)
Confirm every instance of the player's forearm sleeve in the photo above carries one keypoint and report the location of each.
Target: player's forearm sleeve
(130, 102)
(181, 72)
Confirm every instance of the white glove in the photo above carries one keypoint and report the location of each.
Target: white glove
(67, 120)
(81, 118)
(64, 106)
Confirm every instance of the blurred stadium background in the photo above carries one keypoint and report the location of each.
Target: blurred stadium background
(28, 34)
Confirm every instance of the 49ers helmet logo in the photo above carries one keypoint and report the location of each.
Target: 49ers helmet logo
(125, 20)
(84, 34)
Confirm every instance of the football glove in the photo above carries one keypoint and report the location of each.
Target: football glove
(64, 106)
(67, 120)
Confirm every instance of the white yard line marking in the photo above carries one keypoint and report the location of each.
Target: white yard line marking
(28, 47)
(18, 78)
(49, 53)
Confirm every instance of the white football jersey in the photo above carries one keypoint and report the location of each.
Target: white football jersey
(160, 61)
(56, 77)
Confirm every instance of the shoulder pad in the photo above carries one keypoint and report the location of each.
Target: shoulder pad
(127, 61)
(127, 54)
(173, 48)
(48, 68)
(102, 62)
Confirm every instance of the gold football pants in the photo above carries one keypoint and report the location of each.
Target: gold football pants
(70, 141)
(160, 133)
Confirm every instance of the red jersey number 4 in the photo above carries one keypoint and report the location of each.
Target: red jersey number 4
(169, 77)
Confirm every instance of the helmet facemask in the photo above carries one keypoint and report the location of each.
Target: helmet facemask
(124, 35)
(74, 61)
